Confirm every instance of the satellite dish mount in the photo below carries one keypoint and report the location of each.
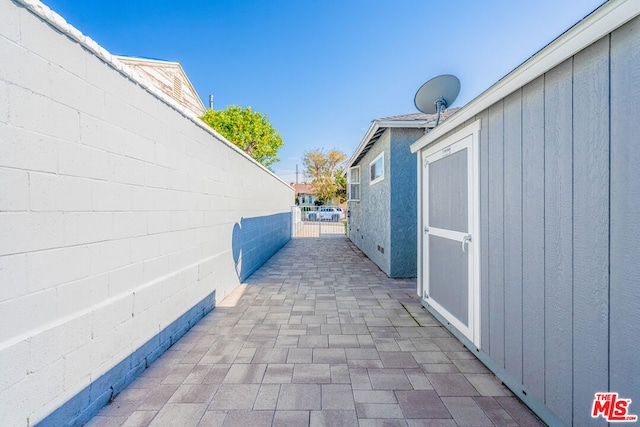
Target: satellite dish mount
(437, 94)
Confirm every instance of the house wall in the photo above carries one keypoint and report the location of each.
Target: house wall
(403, 203)
(559, 192)
(369, 224)
(122, 221)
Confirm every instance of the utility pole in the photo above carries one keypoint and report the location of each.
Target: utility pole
(296, 174)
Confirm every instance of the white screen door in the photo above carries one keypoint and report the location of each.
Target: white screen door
(451, 279)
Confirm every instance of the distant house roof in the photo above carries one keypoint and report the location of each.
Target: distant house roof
(304, 189)
(378, 126)
(170, 78)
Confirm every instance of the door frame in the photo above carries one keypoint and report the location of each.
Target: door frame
(473, 179)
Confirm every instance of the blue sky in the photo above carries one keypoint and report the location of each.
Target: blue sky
(322, 70)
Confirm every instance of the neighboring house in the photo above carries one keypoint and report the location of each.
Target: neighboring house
(170, 78)
(381, 192)
(305, 193)
(529, 211)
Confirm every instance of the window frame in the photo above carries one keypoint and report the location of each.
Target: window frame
(379, 157)
(350, 183)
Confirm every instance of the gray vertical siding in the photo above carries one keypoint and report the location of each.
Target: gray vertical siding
(560, 220)
(590, 227)
(625, 213)
(533, 338)
(495, 233)
(558, 277)
(513, 233)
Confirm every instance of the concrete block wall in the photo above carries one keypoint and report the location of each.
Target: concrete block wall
(120, 220)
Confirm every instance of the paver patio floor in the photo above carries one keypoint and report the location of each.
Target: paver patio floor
(317, 336)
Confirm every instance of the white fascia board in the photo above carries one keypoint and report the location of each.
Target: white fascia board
(367, 136)
(377, 124)
(598, 24)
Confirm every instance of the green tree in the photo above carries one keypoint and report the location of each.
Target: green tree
(341, 182)
(321, 167)
(249, 130)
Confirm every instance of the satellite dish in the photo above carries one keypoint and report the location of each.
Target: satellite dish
(437, 94)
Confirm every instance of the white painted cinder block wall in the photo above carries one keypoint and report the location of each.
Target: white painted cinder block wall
(116, 212)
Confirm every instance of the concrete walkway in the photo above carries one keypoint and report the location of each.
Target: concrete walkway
(318, 336)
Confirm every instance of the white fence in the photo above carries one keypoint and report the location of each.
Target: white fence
(317, 221)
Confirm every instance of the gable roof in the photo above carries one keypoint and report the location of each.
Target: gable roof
(303, 189)
(378, 126)
(170, 78)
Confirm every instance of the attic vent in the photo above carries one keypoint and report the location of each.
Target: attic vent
(177, 88)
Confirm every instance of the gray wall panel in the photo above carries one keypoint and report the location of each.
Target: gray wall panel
(558, 277)
(533, 237)
(625, 213)
(496, 230)
(590, 227)
(485, 320)
(513, 234)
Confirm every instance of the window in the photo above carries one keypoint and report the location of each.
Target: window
(354, 183)
(376, 168)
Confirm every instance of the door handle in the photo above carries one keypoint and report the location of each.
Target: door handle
(465, 241)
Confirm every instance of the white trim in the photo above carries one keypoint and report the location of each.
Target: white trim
(373, 162)
(377, 124)
(349, 183)
(598, 24)
(467, 138)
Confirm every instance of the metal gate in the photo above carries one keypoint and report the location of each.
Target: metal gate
(317, 221)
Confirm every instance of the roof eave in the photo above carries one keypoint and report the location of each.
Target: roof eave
(377, 124)
(599, 23)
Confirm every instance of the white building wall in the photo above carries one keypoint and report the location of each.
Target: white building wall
(117, 212)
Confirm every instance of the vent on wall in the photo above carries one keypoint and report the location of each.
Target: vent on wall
(380, 249)
(177, 88)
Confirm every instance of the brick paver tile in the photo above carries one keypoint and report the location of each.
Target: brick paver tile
(278, 373)
(379, 410)
(422, 404)
(299, 397)
(337, 397)
(249, 418)
(466, 412)
(452, 385)
(311, 373)
(179, 415)
(291, 418)
(397, 359)
(234, 396)
(340, 418)
(389, 379)
(488, 385)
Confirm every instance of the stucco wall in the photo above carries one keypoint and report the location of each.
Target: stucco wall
(403, 203)
(122, 220)
(369, 222)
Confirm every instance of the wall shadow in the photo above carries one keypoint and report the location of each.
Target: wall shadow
(257, 239)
